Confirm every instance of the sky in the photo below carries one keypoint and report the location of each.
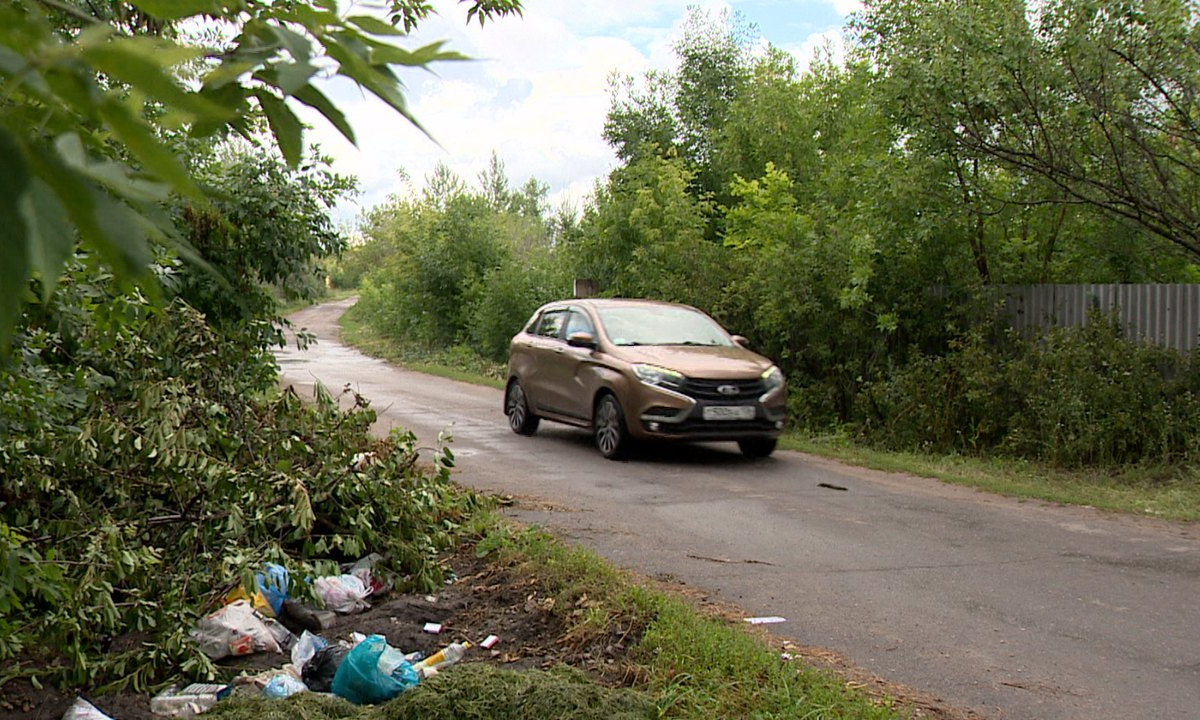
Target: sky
(536, 91)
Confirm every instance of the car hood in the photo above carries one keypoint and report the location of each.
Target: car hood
(716, 363)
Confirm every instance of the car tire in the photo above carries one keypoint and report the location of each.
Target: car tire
(755, 448)
(608, 428)
(516, 406)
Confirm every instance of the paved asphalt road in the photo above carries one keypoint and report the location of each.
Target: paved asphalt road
(1013, 609)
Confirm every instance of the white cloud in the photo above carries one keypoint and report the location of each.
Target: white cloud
(830, 43)
(845, 7)
(537, 95)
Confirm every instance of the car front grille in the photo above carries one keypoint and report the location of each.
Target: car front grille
(721, 389)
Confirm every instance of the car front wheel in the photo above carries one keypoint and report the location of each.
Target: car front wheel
(757, 447)
(608, 424)
(516, 407)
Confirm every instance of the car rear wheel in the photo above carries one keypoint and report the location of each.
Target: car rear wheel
(516, 407)
(757, 447)
(608, 424)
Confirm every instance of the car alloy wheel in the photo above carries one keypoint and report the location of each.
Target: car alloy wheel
(612, 439)
(516, 407)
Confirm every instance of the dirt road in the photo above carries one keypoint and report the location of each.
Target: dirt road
(1015, 609)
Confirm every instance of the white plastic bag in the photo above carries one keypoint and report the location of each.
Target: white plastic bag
(236, 629)
(305, 648)
(343, 593)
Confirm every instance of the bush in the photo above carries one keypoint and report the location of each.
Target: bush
(1071, 396)
(147, 466)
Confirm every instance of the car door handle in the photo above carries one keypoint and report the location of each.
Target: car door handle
(560, 351)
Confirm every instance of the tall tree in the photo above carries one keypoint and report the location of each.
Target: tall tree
(1097, 97)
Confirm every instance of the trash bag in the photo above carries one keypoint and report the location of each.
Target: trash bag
(283, 685)
(273, 585)
(343, 593)
(305, 648)
(366, 570)
(237, 629)
(360, 680)
(318, 672)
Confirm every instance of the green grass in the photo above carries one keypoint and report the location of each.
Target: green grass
(471, 692)
(1170, 493)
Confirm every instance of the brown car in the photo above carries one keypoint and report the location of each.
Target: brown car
(636, 369)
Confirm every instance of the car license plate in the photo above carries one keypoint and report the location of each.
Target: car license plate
(728, 412)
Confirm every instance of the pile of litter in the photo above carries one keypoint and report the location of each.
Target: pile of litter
(361, 669)
(515, 636)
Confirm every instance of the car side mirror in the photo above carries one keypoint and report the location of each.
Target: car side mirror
(740, 340)
(582, 339)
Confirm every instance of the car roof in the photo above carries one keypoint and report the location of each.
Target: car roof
(614, 302)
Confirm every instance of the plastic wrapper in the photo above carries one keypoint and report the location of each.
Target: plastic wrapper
(273, 583)
(304, 649)
(284, 685)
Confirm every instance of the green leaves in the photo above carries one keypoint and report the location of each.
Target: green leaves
(15, 204)
(86, 120)
(285, 125)
(180, 9)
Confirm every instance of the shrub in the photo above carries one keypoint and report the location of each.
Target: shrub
(147, 466)
(1070, 396)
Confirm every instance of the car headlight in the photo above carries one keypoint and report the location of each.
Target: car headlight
(658, 376)
(773, 378)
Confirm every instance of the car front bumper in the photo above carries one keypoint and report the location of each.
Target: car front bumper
(669, 415)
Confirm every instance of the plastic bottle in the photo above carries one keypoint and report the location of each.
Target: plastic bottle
(443, 658)
(189, 701)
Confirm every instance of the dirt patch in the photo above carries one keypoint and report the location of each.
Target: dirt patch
(487, 599)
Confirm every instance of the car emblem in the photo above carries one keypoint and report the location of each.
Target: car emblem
(728, 389)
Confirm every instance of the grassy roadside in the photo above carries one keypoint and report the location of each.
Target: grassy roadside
(456, 364)
(682, 661)
(694, 664)
(1170, 493)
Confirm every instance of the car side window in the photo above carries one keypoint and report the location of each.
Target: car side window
(551, 323)
(579, 322)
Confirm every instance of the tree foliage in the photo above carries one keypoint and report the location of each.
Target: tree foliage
(92, 97)
(1098, 98)
(147, 464)
(850, 217)
(459, 267)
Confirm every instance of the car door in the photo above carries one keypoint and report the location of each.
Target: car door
(566, 369)
(544, 344)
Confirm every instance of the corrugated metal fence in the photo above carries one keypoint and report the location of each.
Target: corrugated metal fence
(1163, 314)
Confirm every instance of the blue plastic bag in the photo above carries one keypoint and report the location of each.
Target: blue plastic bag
(283, 685)
(360, 680)
(273, 583)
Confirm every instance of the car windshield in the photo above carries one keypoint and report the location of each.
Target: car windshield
(660, 325)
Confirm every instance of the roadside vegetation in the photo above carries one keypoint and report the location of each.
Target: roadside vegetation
(158, 191)
(1170, 491)
(682, 661)
(858, 220)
